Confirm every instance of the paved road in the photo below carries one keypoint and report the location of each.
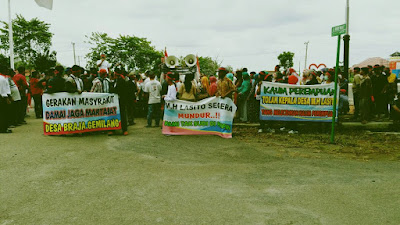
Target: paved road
(147, 178)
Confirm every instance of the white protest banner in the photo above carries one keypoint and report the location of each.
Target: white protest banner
(66, 113)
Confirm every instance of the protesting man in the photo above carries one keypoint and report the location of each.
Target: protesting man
(119, 86)
(153, 90)
(97, 86)
(132, 92)
(74, 83)
(5, 100)
(57, 83)
(103, 63)
(20, 80)
(366, 95)
(36, 92)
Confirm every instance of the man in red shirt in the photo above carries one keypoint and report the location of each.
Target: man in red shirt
(20, 80)
(36, 92)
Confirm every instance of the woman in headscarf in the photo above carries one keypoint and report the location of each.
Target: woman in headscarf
(230, 76)
(243, 92)
(188, 91)
(204, 89)
(213, 86)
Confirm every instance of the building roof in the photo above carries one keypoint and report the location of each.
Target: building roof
(372, 61)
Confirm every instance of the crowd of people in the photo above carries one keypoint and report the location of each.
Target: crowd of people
(143, 95)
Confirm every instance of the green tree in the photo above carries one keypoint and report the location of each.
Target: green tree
(396, 54)
(31, 38)
(4, 60)
(286, 59)
(208, 66)
(131, 52)
(44, 61)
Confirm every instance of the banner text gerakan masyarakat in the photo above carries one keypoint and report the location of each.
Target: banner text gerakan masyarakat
(56, 102)
(299, 91)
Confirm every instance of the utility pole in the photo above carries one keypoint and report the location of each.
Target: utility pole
(10, 36)
(305, 64)
(346, 39)
(73, 47)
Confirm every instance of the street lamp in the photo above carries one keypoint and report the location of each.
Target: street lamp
(305, 63)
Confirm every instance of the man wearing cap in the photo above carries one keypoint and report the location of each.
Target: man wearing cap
(225, 87)
(103, 63)
(356, 90)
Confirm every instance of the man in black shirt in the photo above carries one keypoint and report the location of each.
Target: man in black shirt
(57, 83)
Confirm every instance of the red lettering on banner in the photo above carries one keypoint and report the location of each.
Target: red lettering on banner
(194, 115)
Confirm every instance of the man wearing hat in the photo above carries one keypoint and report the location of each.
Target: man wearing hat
(103, 63)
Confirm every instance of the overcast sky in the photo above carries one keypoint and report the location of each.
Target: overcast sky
(240, 33)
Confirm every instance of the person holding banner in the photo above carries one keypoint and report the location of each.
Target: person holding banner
(153, 90)
(171, 92)
(188, 90)
(120, 87)
(225, 87)
(57, 83)
(263, 123)
(97, 86)
(73, 82)
(213, 86)
(204, 89)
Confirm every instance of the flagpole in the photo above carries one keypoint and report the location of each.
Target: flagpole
(10, 36)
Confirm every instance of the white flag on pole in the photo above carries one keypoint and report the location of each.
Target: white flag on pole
(48, 4)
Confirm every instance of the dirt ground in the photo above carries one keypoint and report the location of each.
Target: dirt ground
(148, 178)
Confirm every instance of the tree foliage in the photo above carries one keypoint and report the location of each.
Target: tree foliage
(4, 60)
(286, 59)
(208, 66)
(396, 54)
(32, 39)
(44, 61)
(134, 53)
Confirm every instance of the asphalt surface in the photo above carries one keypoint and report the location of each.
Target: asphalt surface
(148, 178)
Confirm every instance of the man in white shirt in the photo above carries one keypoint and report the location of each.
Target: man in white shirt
(153, 90)
(172, 90)
(103, 63)
(5, 95)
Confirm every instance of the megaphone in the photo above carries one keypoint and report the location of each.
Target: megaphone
(190, 60)
(171, 61)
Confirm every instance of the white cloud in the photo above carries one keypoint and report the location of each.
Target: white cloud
(240, 33)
